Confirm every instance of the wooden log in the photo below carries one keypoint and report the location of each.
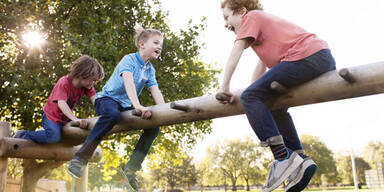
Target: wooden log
(5, 131)
(346, 75)
(278, 87)
(176, 106)
(80, 185)
(327, 87)
(25, 149)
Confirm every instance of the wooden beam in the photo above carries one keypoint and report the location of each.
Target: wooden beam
(369, 80)
(25, 149)
(5, 131)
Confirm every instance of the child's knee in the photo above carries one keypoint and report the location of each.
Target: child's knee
(152, 132)
(113, 117)
(54, 137)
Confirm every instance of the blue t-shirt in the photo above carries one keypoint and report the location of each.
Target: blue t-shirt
(142, 75)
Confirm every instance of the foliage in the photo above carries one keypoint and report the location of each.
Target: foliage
(344, 169)
(104, 30)
(323, 157)
(374, 154)
(14, 168)
(235, 160)
(174, 168)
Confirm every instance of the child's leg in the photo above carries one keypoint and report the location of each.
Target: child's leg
(299, 72)
(287, 129)
(50, 134)
(137, 157)
(142, 148)
(109, 112)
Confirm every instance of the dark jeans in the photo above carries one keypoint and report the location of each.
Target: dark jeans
(50, 134)
(266, 123)
(109, 111)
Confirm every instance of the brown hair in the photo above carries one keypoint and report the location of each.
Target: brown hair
(237, 5)
(144, 34)
(86, 67)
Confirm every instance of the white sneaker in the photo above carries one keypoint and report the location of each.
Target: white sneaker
(300, 178)
(280, 170)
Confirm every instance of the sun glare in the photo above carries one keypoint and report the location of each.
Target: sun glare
(33, 39)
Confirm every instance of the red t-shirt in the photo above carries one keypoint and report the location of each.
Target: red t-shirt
(64, 90)
(275, 39)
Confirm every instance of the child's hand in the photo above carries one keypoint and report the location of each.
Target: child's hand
(145, 112)
(82, 123)
(225, 97)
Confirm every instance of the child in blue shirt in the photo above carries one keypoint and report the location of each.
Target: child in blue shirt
(120, 93)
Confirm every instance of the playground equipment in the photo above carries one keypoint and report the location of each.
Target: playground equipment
(335, 85)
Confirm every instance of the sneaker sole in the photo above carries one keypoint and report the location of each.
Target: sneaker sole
(286, 174)
(72, 174)
(126, 182)
(301, 184)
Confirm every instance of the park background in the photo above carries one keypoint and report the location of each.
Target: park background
(351, 28)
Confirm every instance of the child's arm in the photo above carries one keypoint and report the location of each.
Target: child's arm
(92, 98)
(63, 106)
(231, 65)
(156, 95)
(132, 95)
(258, 71)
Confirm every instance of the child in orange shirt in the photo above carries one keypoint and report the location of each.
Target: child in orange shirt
(293, 56)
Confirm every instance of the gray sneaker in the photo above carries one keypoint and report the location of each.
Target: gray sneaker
(19, 134)
(280, 170)
(300, 178)
(75, 167)
(130, 180)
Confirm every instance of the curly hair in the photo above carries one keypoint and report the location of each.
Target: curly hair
(236, 5)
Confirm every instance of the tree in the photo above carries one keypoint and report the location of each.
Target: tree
(238, 159)
(374, 153)
(323, 157)
(344, 169)
(104, 30)
(175, 168)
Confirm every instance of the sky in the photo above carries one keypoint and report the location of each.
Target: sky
(354, 31)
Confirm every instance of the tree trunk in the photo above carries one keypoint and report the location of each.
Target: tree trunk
(33, 171)
(247, 181)
(368, 80)
(234, 188)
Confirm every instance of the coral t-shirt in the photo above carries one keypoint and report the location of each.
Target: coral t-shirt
(64, 90)
(275, 39)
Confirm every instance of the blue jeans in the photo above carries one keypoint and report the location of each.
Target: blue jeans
(267, 124)
(50, 134)
(109, 111)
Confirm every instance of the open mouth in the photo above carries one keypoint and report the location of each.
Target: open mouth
(158, 52)
(231, 28)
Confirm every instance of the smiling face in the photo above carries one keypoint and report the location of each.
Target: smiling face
(152, 47)
(232, 20)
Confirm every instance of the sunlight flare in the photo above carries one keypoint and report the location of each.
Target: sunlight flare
(33, 39)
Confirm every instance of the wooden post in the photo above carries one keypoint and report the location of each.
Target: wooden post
(5, 131)
(81, 185)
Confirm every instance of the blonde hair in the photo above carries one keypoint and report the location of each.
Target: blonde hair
(144, 34)
(237, 5)
(86, 67)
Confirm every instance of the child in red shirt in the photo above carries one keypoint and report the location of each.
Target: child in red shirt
(57, 111)
(293, 56)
